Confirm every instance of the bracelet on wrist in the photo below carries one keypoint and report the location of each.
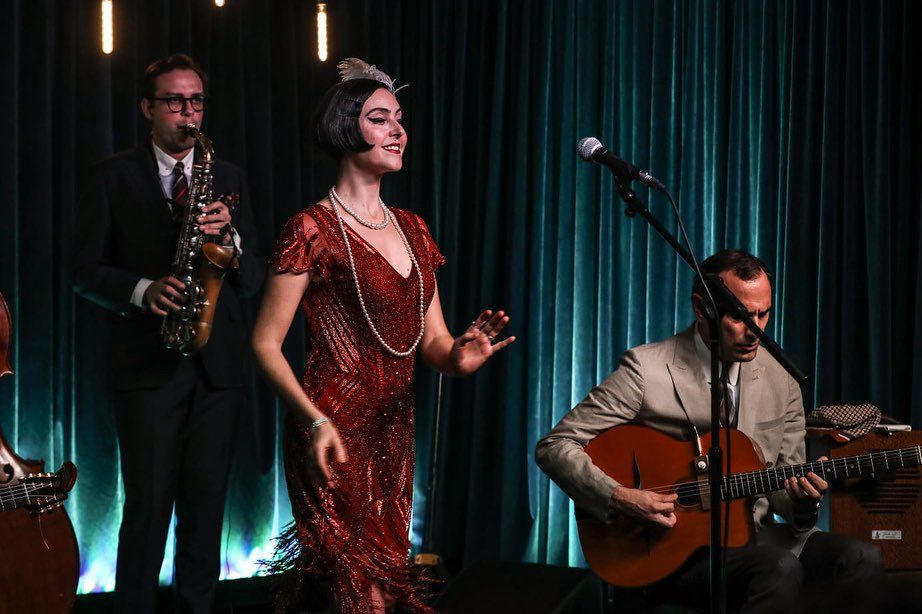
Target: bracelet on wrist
(319, 422)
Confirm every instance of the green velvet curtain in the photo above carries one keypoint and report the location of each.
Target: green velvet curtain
(790, 129)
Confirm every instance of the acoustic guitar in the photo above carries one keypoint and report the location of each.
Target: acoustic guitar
(628, 552)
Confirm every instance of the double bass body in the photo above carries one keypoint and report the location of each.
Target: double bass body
(40, 562)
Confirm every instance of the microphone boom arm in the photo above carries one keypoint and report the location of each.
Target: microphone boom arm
(726, 301)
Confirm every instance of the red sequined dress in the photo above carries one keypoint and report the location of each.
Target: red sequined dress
(356, 532)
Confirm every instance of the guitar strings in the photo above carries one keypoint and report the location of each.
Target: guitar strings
(744, 479)
(11, 493)
(740, 480)
(25, 486)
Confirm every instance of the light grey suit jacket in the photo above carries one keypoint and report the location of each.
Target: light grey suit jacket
(652, 386)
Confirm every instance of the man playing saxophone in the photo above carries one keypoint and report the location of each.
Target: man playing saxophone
(175, 415)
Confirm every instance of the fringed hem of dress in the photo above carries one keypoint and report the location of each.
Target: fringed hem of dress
(341, 584)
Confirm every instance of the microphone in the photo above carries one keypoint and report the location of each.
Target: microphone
(591, 150)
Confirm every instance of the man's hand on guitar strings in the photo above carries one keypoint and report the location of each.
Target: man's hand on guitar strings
(650, 506)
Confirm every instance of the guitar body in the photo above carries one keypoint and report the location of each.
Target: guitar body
(39, 559)
(40, 565)
(632, 553)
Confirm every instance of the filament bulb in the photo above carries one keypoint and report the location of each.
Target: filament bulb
(322, 31)
(106, 10)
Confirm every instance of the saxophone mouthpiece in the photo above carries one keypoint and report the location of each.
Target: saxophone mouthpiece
(202, 141)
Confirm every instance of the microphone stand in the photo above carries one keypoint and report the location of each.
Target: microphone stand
(725, 303)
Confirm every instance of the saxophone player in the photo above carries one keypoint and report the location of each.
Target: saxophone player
(175, 416)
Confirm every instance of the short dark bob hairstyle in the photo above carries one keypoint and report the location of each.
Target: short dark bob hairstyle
(743, 264)
(335, 124)
(177, 61)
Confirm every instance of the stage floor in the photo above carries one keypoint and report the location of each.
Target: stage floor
(253, 596)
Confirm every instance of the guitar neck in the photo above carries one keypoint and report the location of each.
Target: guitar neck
(763, 482)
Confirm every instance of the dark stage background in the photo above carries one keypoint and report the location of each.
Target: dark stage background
(791, 129)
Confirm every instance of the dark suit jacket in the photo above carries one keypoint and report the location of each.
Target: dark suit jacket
(124, 233)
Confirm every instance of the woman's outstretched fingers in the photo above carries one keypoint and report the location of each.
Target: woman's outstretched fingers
(495, 324)
(505, 342)
(481, 320)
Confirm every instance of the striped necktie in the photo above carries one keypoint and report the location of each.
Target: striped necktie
(180, 192)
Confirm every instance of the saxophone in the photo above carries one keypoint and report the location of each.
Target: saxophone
(199, 262)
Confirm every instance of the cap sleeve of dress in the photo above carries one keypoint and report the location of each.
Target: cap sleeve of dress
(300, 247)
(432, 250)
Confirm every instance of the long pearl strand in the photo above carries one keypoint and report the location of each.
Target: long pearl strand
(358, 290)
(362, 221)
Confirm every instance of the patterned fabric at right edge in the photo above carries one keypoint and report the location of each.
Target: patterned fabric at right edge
(852, 420)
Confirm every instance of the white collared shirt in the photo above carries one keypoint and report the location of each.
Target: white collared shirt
(733, 376)
(165, 165)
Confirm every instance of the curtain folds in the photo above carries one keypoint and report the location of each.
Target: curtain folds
(789, 128)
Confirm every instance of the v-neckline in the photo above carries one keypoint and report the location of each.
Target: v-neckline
(372, 248)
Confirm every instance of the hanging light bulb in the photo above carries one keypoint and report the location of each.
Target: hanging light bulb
(219, 3)
(106, 8)
(322, 31)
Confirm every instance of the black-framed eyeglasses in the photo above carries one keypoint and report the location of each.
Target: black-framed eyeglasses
(176, 103)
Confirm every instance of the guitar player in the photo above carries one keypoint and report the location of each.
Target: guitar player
(666, 386)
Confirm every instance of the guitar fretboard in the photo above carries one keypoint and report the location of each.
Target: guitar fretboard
(863, 465)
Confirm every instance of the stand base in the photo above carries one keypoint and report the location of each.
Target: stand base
(435, 573)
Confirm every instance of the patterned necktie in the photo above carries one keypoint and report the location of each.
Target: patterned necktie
(180, 192)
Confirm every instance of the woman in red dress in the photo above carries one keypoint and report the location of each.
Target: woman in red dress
(363, 274)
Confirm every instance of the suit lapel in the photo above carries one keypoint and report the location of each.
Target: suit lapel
(690, 387)
(147, 182)
(751, 388)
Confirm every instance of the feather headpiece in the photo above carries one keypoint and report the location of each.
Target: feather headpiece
(354, 68)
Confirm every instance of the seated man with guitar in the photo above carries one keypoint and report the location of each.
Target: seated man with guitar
(642, 502)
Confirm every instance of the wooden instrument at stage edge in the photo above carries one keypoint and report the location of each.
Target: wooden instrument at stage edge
(629, 552)
(39, 560)
(39, 492)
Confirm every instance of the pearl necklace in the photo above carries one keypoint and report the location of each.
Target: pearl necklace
(351, 211)
(358, 290)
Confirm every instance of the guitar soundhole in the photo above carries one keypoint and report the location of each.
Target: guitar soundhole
(689, 495)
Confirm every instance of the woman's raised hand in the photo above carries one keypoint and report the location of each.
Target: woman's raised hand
(479, 342)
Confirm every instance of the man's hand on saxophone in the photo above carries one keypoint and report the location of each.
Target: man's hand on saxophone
(216, 217)
(164, 294)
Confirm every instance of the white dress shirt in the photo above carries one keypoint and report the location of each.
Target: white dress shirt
(733, 376)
